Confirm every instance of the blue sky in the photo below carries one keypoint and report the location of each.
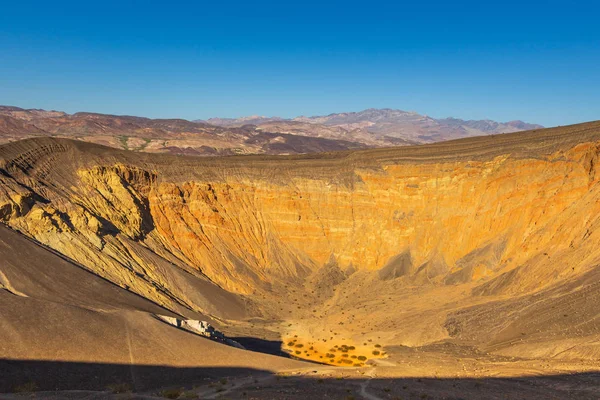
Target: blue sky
(537, 61)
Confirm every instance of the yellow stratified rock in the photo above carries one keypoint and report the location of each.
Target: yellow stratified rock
(249, 223)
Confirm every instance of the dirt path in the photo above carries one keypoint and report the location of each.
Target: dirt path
(233, 384)
(363, 386)
(372, 373)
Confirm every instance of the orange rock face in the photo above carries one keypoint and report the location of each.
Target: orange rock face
(466, 220)
(246, 223)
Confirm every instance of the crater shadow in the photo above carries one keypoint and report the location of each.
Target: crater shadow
(257, 383)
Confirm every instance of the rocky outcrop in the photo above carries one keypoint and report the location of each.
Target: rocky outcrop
(202, 328)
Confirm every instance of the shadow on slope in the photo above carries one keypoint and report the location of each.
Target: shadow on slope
(19, 375)
(262, 345)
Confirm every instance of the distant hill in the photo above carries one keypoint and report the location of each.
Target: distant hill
(376, 126)
(175, 136)
(247, 135)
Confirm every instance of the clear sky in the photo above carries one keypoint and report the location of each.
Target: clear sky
(538, 61)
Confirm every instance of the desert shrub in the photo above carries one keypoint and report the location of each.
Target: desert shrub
(171, 393)
(119, 388)
(376, 352)
(299, 345)
(378, 345)
(291, 344)
(27, 387)
(362, 358)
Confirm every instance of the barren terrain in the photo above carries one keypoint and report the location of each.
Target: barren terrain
(461, 269)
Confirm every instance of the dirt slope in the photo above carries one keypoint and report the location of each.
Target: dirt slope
(52, 310)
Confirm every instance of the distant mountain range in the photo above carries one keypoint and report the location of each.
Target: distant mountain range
(379, 125)
(247, 135)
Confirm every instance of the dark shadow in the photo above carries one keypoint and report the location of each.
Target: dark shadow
(58, 375)
(272, 347)
(262, 345)
(348, 383)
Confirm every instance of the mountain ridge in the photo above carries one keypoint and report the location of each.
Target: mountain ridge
(407, 125)
(246, 135)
